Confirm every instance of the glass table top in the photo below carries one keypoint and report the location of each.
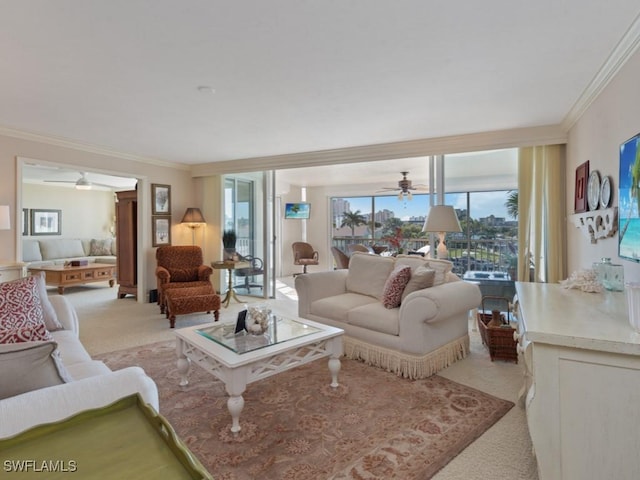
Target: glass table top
(280, 329)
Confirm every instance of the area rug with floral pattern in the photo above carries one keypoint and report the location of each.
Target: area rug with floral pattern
(295, 426)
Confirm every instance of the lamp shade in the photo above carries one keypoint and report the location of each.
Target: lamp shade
(5, 222)
(442, 218)
(193, 216)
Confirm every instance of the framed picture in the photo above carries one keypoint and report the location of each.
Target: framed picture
(46, 222)
(25, 222)
(161, 231)
(160, 199)
(629, 200)
(582, 173)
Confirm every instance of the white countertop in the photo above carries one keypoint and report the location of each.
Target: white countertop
(555, 315)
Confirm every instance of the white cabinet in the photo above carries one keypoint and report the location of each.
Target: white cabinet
(583, 393)
(12, 270)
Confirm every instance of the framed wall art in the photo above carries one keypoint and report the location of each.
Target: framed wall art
(25, 222)
(582, 173)
(161, 231)
(160, 199)
(629, 200)
(46, 222)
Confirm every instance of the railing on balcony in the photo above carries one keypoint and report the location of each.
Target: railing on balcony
(497, 254)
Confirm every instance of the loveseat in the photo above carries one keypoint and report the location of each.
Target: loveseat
(427, 331)
(57, 251)
(55, 386)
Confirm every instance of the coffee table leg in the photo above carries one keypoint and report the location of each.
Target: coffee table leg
(334, 368)
(236, 385)
(183, 364)
(335, 347)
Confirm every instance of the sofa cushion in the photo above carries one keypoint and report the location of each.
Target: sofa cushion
(442, 268)
(81, 370)
(100, 247)
(71, 350)
(368, 274)
(374, 316)
(31, 251)
(422, 277)
(394, 286)
(337, 307)
(21, 317)
(414, 261)
(30, 366)
(61, 248)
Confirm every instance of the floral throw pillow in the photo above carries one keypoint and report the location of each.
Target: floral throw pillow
(100, 247)
(21, 314)
(394, 286)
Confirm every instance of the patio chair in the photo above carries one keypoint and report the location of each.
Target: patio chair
(256, 268)
(341, 258)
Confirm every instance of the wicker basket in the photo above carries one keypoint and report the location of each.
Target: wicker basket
(499, 340)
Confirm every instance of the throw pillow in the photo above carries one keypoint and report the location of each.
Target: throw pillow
(48, 312)
(442, 268)
(21, 309)
(100, 247)
(394, 286)
(30, 366)
(421, 277)
(27, 333)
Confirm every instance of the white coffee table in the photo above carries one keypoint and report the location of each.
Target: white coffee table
(239, 359)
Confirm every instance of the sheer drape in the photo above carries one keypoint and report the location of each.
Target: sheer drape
(541, 213)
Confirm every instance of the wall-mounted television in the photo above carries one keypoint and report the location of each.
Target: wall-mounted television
(297, 210)
(629, 200)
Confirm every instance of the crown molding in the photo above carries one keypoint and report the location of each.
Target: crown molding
(521, 137)
(625, 48)
(86, 147)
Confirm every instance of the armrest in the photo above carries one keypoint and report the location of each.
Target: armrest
(163, 275)
(317, 285)
(65, 312)
(204, 272)
(56, 403)
(444, 301)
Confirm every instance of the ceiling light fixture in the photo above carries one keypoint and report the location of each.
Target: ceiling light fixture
(206, 89)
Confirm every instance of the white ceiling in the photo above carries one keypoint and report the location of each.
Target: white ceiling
(295, 76)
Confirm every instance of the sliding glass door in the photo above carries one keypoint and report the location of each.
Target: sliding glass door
(248, 209)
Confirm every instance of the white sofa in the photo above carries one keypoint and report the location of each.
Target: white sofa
(57, 251)
(427, 332)
(93, 384)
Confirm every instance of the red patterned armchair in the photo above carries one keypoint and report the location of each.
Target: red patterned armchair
(180, 266)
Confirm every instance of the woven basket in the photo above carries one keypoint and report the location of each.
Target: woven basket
(499, 340)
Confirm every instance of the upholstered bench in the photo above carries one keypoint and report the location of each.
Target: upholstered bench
(181, 301)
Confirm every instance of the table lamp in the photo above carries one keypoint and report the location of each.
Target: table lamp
(442, 219)
(193, 219)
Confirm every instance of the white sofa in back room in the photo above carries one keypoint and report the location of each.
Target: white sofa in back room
(57, 251)
(427, 331)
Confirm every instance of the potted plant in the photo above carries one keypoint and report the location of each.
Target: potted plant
(229, 243)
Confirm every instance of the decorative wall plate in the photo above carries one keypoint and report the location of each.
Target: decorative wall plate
(605, 192)
(593, 190)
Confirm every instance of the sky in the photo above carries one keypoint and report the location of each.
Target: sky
(483, 204)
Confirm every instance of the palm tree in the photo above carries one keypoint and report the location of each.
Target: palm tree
(512, 204)
(353, 220)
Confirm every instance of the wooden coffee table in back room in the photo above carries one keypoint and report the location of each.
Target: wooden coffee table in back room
(61, 276)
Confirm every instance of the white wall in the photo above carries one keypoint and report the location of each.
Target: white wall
(85, 213)
(610, 120)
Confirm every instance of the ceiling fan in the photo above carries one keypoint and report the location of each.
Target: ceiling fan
(82, 183)
(405, 186)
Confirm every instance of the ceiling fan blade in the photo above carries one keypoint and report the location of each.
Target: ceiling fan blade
(59, 181)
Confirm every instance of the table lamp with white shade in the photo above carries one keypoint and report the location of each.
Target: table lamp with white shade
(442, 219)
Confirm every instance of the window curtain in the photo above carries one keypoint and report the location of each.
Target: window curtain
(541, 214)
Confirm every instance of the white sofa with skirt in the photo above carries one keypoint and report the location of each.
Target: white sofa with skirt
(428, 330)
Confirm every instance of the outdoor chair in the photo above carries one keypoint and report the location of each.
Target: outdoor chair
(256, 268)
(341, 258)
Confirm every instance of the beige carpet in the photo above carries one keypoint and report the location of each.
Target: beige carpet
(295, 426)
(503, 452)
